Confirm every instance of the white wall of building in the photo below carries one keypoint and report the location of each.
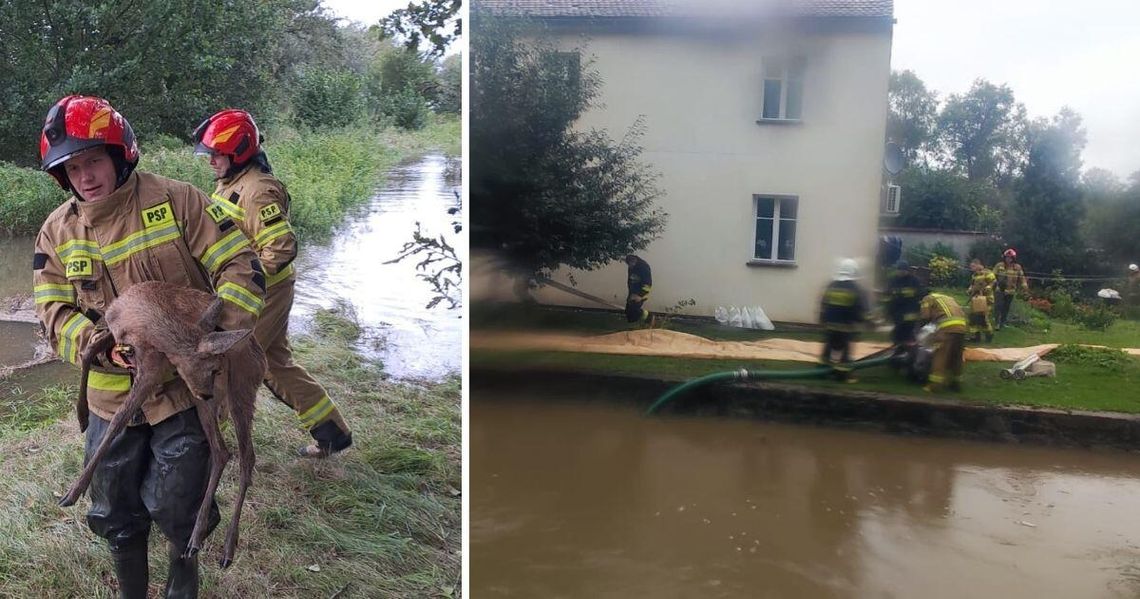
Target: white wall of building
(700, 95)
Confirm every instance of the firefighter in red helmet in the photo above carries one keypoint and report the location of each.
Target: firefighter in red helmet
(1010, 281)
(123, 227)
(249, 195)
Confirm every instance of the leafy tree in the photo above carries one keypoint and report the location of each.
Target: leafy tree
(983, 133)
(913, 114)
(450, 96)
(436, 22)
(329, 98)
(544, 194)
(1044, 222)
(941, 199)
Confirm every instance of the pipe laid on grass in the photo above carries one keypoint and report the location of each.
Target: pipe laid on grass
(765, 375)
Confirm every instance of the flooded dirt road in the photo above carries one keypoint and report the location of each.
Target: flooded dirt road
(575, 499)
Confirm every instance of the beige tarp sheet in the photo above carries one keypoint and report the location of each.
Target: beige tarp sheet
(657, 342)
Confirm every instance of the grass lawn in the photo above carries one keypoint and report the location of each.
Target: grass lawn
(380, 520)
(1077, 386)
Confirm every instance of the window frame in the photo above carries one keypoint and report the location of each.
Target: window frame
(777, 218)
(791, 70)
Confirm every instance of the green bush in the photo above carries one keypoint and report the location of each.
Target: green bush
(329, 98)
(1063, 306)
(406, 109)
(28, 196)
(1103, 357)
(1095, 318)
(945, 272)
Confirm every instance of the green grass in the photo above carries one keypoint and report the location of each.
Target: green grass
(1079, 385)
(1022, 332)
(380, 520)
(327, 172)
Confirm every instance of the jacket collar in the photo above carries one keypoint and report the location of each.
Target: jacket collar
(116, 205)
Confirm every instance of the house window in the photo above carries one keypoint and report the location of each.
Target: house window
(783, 89)
(775, 228)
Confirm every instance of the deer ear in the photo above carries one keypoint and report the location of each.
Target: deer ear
(221, 342)
(210, 316)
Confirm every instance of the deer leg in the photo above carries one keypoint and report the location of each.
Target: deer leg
(150, 369)
(219, 457)
(99, 343)
(243, 429)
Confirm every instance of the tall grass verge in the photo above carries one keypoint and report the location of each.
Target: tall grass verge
(327, 172)
(380, 520)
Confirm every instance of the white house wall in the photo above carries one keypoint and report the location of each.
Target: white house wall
(701, 98)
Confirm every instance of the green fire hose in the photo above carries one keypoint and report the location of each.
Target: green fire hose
(874, 359)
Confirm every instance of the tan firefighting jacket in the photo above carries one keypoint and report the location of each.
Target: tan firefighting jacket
(944, 312)
(259, 204)
(150, 229)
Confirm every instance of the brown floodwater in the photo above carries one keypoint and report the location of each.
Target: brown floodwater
(584, 499)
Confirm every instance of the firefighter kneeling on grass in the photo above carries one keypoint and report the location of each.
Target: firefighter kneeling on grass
(949, 340)
(842, 311)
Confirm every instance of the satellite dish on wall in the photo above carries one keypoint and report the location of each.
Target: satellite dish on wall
(893, 159)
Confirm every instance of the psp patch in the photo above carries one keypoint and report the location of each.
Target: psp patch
(216, 212)
(157, 216)
(269, 212)
(79, 267)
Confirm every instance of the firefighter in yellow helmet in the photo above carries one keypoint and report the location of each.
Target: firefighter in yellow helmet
(249, 195)
(122, 227)
(981, 292)
(949, 340)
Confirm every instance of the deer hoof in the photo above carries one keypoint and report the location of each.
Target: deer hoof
(225, 562)
(68, 500)
(191, 551)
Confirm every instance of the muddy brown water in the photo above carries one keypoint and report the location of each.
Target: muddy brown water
(577, 499)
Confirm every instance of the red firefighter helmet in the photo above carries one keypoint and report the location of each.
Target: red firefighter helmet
(230, 132)
(78, 123)
(1010, 253)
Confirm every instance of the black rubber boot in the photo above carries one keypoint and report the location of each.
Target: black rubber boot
(182, 579)
(131, 568)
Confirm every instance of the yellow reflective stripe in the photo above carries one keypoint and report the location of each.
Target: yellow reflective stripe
(69, 337)
(318, 412)
(949, 322)
(137, 242)
(272, 280)
(271, 233)
(232, 209)
(78, 248)
(236, 294)
(50, 292)
(105, 381)
(218, 254)
(936, 379)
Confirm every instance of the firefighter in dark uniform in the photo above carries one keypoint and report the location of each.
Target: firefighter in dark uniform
(904, 294)
(640, 282)
(842, 311)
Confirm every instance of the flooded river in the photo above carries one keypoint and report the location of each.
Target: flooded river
(412, 341)
(574, 499)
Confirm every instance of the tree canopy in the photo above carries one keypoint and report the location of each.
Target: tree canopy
(544, 193)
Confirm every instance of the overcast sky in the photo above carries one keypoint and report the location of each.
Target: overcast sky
(366, 12)
(1082, 54)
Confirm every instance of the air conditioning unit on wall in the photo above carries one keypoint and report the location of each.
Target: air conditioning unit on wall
(894, 197)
